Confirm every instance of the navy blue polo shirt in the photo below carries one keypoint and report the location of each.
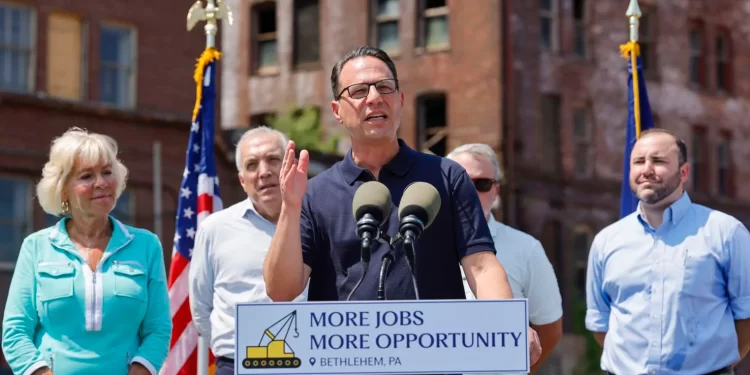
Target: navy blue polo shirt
(331, 247)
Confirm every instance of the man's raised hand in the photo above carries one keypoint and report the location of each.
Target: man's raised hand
(293, 177)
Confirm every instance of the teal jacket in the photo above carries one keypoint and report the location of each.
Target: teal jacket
(63, 315)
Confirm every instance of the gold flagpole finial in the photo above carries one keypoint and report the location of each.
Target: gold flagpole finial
(210, 14)
(634, 13)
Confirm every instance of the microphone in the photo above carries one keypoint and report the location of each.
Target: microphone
(419, 206)
(371, 207)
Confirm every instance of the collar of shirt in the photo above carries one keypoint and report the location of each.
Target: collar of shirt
(495, 227)
(249, 212)
(120, 237)
(672, 215)
(399, 165)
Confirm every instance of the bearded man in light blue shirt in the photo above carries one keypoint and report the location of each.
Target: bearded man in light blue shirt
(668, 287)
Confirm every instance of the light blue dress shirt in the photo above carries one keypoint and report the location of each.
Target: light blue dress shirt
(226, 269)
(668, 297)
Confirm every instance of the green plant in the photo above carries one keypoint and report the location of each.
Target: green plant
(304, 127)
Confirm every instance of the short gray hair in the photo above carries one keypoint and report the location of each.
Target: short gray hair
(479, 149)
(255, 132)
(74, 145)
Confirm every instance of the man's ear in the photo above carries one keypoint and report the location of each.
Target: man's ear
(242, 179)
(684, 172)
(335, 106)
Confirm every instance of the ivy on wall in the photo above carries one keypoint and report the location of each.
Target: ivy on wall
(304, 127)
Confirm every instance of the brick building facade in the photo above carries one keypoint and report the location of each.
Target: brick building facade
(264, 73)
(570, 105)
(120, 68)
(541, 81)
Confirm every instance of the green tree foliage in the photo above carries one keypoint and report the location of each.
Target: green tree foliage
(304, 127)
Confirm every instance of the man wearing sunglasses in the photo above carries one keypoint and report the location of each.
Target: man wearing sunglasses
(529, 271)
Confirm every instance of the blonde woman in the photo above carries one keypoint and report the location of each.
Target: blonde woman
(89, 294)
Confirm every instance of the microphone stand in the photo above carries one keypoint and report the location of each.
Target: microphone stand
(366, 226)
(409, 249)
(388, 258)
(412, 227)
(365, 246)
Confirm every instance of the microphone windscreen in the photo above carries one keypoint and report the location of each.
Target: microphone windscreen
(372, 198)
(421, 200)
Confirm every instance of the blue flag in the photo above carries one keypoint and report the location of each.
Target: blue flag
(639, 120)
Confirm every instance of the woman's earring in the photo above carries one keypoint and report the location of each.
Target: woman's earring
(65, 207)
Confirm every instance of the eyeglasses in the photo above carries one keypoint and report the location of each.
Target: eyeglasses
(483, 184)
(361, 90)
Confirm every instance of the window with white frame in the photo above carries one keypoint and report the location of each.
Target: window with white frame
(16, 47)
(387, 14)
(15, 217)
(265, 39)
(117, 65)
(434, 25)
(547, 24)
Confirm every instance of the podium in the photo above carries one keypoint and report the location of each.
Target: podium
(382, 337)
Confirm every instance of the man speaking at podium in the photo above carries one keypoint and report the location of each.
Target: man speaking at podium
(316, 237)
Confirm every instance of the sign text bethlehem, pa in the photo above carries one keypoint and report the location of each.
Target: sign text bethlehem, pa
(384, 337)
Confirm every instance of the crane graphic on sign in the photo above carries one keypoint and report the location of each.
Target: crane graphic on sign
(273, 351)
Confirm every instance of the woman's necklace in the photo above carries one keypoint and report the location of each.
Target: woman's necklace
(86, 250)
(87, 246)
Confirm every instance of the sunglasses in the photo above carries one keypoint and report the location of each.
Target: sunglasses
(483, 184)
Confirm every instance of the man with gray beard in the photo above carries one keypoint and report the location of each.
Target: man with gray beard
(668, 287)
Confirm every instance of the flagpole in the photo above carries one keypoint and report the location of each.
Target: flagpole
(634, 13)
(211, 13)
(639, 117)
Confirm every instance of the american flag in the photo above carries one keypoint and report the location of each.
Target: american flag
(199, 197)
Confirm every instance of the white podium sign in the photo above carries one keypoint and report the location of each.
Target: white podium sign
(382, 337)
